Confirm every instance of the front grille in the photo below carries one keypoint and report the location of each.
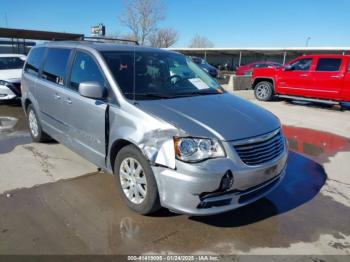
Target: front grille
(261, 149)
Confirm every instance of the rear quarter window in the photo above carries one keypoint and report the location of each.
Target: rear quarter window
(34, 61)
(55, 65)
(328, 64)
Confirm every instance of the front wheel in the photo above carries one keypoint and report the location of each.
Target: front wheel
(264, 91)
(136, 181)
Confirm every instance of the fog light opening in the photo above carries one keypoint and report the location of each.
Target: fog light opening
(226, 181)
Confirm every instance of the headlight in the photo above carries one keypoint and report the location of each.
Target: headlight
(4, 83)
(190, 149)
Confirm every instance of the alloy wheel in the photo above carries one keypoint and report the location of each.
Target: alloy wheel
(133, 180)
(33, 123)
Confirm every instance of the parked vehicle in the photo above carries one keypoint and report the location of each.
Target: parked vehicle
(10, 75)
(319, 78)
(249, 68)
(168, 132)
(205, 66)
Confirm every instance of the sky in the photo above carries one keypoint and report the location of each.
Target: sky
(227, 23)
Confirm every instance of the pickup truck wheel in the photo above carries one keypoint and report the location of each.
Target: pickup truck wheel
(263, 91)
(135, 180)
(35, 130)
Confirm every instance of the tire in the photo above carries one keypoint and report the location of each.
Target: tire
(35, 130)
(345, 106)
(263, 91)
(138, 188)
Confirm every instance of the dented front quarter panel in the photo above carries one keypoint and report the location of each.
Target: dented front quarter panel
(153, 136)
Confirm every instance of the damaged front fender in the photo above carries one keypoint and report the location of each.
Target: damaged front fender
(152, 136)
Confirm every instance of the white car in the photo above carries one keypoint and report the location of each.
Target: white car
(10, 75)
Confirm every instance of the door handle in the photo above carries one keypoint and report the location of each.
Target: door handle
(335, 76)
(304, 75)
(68, 101)
(57, 96)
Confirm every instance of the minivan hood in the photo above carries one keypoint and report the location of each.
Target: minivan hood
(11, 75)
(223, 116)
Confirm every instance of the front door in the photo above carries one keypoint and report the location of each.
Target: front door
(297, 80)
(85, 116)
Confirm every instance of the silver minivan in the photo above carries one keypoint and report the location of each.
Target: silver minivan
(169, 133)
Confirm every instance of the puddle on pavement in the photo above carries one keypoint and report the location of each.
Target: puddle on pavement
(87, 216)
(13, 128)
(318, 145)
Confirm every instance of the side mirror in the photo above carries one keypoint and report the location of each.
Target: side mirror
(91, 90)
(288, 68)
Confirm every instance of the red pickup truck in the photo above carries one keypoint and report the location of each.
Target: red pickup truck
(314, 78)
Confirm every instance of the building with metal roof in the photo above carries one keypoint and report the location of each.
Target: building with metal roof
(239, 56)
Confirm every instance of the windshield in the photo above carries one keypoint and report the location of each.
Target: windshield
(11, 63)
(159, 75)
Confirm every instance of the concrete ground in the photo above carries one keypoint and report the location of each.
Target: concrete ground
(54, 202)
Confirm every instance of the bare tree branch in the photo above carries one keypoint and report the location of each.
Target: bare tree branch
(200, 42)
(142, 17)
(164, 37)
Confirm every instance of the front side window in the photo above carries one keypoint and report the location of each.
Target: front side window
(328, 64)
(154, 75)
(85, 69)
(55, 65)
(34, 61)
(302, 64)
(7, 63)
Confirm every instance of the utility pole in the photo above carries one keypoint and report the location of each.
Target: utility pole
(307, 41)
(6, 22)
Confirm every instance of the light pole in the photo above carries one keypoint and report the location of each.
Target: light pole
(307, 41)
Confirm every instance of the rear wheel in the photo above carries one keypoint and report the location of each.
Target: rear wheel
(136, 181)
(263, 91)
(35, 129)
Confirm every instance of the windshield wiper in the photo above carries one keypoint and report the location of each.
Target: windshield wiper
(198, 93)
(150, 95)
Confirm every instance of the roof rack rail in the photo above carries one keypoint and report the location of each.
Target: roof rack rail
(106, 39)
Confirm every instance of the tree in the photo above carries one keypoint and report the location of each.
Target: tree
(142, 17)
(200, 42)
(164, 37)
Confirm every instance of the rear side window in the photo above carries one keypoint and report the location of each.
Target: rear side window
(328, 64)
(34, 61)
(302, 64)
(85, 69)
(55, 65)
(257, 65)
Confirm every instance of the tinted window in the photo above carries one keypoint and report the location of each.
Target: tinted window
(328, 64)
(34, 61)
(11, 63)
(302, 64)
(85, 69)
(55, 65)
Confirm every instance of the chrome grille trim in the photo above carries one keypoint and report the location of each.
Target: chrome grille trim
(259, 150)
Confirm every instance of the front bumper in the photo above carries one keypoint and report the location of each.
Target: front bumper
(193, 188)
(6, 93)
